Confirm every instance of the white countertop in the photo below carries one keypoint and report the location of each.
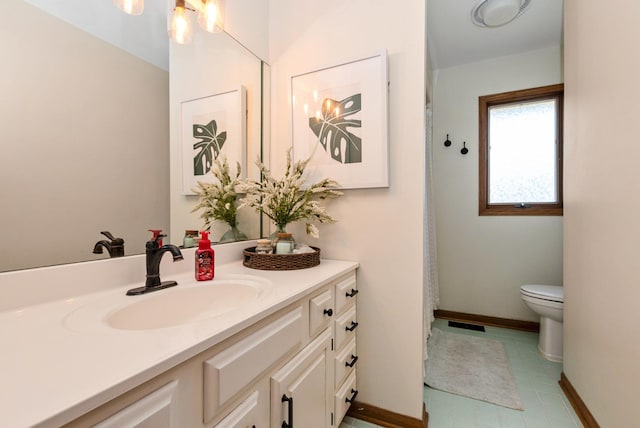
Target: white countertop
(57, 364)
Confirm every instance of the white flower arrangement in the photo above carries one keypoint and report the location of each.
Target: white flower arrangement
(218, 198)
(288, 200)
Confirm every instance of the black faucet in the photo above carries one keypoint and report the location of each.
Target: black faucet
(154, 254)
(115, 247)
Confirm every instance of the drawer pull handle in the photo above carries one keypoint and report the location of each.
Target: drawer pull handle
(352, 326)
(352, 293)
(354, 394)
(290, 415)
(353, 361)
(328, 312)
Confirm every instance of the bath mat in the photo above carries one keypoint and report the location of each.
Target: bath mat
(475, 367)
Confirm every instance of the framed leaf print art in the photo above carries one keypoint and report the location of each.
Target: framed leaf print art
(212, 126)
(339, 119)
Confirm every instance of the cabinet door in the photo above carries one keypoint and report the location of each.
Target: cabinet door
(152, 411)
(301, 390)
(246, 415)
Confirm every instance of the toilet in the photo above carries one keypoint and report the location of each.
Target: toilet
(548, 302)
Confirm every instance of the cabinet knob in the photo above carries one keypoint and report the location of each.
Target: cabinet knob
(354, 393)
(352, 326)
(289, 423)
(352, 293)
(354, 359)
(328, 312)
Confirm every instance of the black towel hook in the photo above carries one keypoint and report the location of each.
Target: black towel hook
(447, 142)
(464, 149)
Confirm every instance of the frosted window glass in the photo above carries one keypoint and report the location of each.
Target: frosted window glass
(522, 153)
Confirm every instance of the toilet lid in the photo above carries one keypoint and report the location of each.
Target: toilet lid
(554, 293)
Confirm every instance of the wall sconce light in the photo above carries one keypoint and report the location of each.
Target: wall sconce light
(132, 7)
(209, 17)
(179, 24)
(180, 28)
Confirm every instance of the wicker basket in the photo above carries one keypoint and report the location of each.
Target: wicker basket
(262, 261)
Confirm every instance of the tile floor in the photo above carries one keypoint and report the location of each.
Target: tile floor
(537, 379)
(348, 422)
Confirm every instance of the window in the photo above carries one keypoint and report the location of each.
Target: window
(521, 152)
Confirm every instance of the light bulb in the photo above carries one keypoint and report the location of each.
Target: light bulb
(209, 17)
(180, 29)
(132, 7)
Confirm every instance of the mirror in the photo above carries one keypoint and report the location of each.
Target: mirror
(89, 136)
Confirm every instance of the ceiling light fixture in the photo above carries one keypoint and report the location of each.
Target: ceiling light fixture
(179, 24)
(496, 13)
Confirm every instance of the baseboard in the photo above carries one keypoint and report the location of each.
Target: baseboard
(487, 320)
(578, 405)
(386, 418)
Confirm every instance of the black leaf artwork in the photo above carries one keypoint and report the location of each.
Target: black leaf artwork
(209, 145)
(332, 127)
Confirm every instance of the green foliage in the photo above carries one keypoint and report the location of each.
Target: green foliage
(288, 200)
(218, 198)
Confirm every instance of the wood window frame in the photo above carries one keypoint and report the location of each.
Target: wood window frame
(487, 101)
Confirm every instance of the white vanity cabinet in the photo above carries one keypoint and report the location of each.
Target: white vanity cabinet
(293, 368)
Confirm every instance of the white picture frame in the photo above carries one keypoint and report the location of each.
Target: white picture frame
(212, 126)
(339, 118)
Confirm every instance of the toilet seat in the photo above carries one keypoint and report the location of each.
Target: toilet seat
(552, 293)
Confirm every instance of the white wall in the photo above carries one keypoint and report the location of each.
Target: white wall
(482, 261)
(602, 201)
(84, 139)
(380, 228)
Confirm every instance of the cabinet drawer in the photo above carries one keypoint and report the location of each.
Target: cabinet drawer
(344, 397)
(320, 312)
(233, 369)
(345, 327)
(152, 411)
(345, 361)
(245, 415)
(346, 291)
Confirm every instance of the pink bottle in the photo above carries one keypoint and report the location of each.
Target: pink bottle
(205, 258)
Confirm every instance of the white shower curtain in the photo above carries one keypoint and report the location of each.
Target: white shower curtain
(430, 275)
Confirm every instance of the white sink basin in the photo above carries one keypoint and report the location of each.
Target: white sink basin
(180, 305)
(185, 303)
